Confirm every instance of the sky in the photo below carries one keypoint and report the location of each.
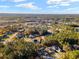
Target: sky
(40, 6)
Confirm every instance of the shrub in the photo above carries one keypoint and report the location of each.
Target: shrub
(70, 55)
(19, 50)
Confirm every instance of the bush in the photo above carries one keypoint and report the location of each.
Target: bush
(70, 55)
(19, 50)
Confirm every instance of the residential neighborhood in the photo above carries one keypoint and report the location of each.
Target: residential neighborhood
(39, 38)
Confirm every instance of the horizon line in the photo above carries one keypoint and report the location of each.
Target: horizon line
(32, 13)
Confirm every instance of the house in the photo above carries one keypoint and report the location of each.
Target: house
(20, 35)
(1, 38)
(36, 41)
(76, 47)
(5, 36)
(21, 29)
(56, 48)
(47, 57)
(44, 52)
(8, 33)
(31, 36)
(76, 29)
(50, 50)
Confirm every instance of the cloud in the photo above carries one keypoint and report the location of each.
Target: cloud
(54, 6)
(13, 0)
(28, 5)
(18, 0)
(65, 4)
(72, 9)
(4, 6)
(74, 0)
(61, 2)
(54, 1)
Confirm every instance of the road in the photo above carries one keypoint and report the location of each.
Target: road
(11, 38)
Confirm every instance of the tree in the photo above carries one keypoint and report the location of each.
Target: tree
(19, 50)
